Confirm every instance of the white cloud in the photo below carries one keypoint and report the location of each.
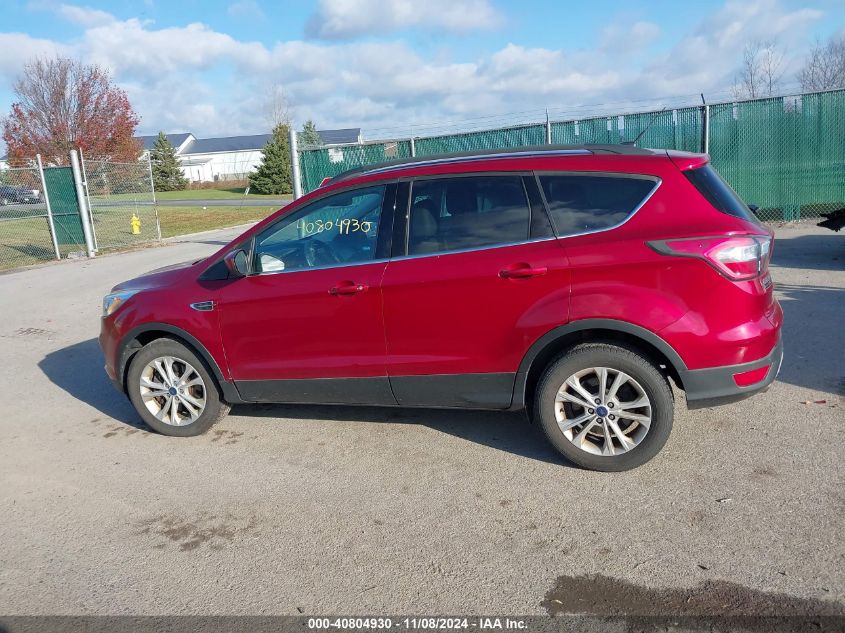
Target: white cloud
(18, 48)
(344, 19)
(84, 16)
(707, 58)
(627, 38)
(182, 78)
(245, 9)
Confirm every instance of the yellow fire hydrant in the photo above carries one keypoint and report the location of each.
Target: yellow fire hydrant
(135, 223)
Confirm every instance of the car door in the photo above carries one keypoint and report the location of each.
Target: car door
(306, 324)
(479, 279)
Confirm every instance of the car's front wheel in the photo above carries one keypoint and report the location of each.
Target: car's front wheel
(605, 407)
(172, 390)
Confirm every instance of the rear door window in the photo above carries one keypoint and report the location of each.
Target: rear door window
(580, 203)
(449, 214)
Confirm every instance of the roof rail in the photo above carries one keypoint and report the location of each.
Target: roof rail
(510, 152)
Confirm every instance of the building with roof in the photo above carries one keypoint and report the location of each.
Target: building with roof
(232, 157)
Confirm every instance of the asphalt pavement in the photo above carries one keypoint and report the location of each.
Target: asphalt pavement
(358, 510)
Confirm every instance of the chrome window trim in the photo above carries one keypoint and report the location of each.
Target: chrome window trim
(473, 250)
(656, 179)
(323, 267)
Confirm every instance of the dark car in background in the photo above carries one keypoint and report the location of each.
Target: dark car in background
(10, 194)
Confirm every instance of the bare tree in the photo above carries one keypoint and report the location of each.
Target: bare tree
(277, 107)
(824, 68)
(763, 66)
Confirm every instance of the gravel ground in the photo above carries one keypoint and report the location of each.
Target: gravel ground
(306, 509)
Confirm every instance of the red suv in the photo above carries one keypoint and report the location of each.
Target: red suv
(574, 282)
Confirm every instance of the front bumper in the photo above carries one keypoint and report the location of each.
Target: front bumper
(715, 386)
(108, 343)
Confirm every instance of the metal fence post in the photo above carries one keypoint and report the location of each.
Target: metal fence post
(83, 208)
(413, 147)
(705, 112)
(548, 129)
(153, 190)
(294, 163)
(49, 209)
(88, 199)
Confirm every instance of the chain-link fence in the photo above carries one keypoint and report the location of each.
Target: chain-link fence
(121, 202)
(25, 235)
(41, 210)
(785, 155)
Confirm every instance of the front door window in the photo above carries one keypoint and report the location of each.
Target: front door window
(334, 231)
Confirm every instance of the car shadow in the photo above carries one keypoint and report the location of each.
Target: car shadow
(78, 370)
(812, 337)
(508, 431)
(813, 252)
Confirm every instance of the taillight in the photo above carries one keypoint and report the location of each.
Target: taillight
(737, 257)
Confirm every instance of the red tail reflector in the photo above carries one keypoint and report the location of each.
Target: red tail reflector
(737, 257)
(746, 378)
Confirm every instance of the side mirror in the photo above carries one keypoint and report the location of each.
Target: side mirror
(236, 264)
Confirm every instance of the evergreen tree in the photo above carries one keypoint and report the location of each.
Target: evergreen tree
(273, 174)
(309, 136)
(167, 172)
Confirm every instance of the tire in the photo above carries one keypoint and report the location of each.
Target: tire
(633, 442)
(184, 364)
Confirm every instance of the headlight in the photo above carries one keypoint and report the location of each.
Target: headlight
(113, 301)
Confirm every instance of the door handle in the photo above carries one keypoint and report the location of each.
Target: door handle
(347, 288)
(522, 271)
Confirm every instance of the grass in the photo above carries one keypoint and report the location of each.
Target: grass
(26, 241)
(184, 220)
(216, 194)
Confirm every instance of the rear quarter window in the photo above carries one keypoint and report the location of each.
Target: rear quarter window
(719, 193)
(583, 203)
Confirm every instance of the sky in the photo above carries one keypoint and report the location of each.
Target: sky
(401, 67)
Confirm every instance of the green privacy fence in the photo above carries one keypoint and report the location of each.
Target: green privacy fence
(784, 154)
(65, 207)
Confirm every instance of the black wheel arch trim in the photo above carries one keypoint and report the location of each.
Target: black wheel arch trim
(128, 346)
(647, 336)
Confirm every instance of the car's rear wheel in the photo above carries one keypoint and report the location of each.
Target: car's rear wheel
(172, 389)
(605, 407)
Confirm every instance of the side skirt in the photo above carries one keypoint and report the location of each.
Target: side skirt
(469, 391)
(462, 391)
(375, 391)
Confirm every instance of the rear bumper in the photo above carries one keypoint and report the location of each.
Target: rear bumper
(715, 386)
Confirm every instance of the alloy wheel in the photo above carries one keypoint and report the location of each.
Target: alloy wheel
(172, 390)
(603, 411)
